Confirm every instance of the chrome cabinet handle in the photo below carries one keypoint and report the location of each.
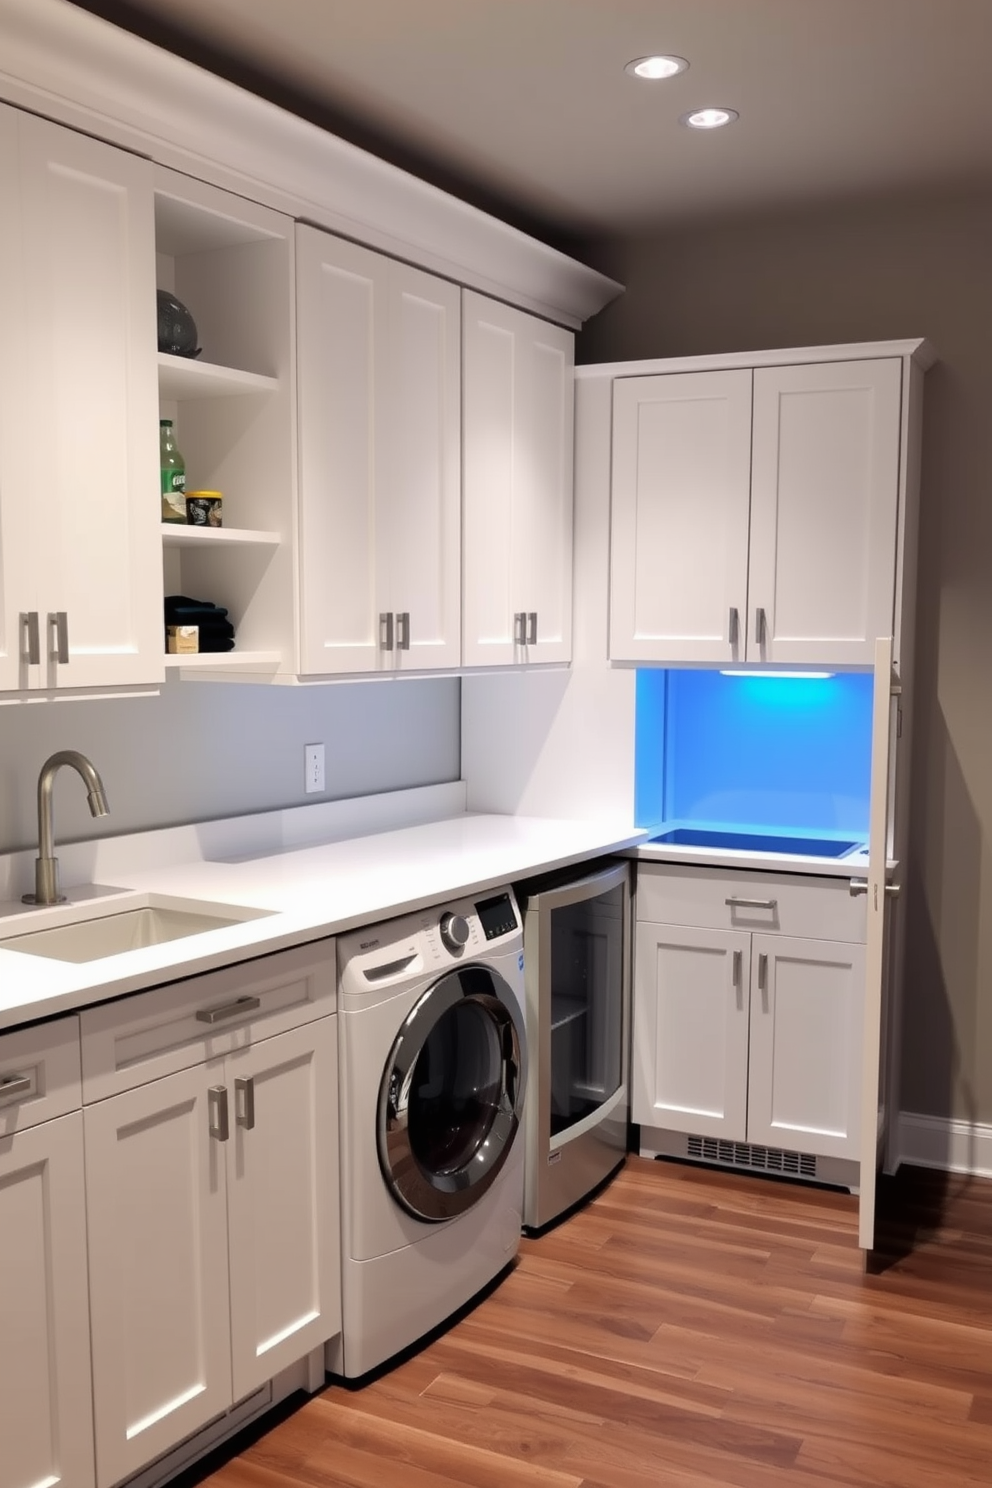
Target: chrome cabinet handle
(763, 980)
(219, 1125)
(735, 902)
(11, 1085)
(760, 626)
(739, 977)
(520, 628)
(860, 886)
(32, 640)
(228, 1010)
(403, 630)
(386, 630)
(532, 628)
(244, 1102)
(733, 626)
(58, 625)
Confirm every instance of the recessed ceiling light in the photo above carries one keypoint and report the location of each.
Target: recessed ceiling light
(709, 118)
(656, 67)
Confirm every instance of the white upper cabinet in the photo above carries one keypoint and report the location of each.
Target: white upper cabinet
(380, 461)
(681, 478)
(755, 513)
(517, 380)
(824, 500)
(78, 429)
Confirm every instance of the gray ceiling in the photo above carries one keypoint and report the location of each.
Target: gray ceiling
(523, 105)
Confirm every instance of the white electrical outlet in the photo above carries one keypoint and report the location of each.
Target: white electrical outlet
(313, 767)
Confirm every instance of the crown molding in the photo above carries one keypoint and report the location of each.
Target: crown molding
(80, 70)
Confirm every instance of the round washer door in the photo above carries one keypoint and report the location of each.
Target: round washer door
(451, 1093)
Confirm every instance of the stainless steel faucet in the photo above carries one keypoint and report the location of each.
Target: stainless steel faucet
(46, 865)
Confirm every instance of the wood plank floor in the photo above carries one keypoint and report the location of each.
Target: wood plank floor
(692, 1328)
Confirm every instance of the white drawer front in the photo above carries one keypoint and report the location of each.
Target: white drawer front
(140, 1038)
(39, 1074)
(770, 903)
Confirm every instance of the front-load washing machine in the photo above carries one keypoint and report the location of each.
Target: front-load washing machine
(432, 1065)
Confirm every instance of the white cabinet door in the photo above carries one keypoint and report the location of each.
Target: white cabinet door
(340, 340)
(157, 1226)
(378, 346)
(46, 1427)
(517, 381)
(681, 475)
(283, 1201)
(824, 499)
(804, 1089)
(418, 459)
(17, 589)
(690, 1030)
(90, 407)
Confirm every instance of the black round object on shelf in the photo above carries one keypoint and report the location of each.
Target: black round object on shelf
(176, 327)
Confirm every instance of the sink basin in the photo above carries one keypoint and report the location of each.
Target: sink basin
(122, 930)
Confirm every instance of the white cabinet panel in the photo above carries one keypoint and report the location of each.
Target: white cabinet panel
(681, 475)
(156, 1205)
(518, 415)
(824, 495)
(89, 406)
(46, 1426)
(807, 998)
(283, 1201)
(747, 1033)
(691, 1030)
(764, 533)
(338, 286)
(380, 461)
(17, 594)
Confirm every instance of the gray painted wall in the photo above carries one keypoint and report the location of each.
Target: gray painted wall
(204, 750)
(865, 272)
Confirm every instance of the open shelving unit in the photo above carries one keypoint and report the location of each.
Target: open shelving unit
(231, 263)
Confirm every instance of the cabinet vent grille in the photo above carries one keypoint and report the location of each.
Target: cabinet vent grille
(750, 1155)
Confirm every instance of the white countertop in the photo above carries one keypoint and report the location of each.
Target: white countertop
(308, 893)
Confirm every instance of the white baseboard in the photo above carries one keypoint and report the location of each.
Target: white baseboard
(941, 1142)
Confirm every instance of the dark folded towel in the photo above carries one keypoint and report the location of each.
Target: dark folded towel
(215, 643)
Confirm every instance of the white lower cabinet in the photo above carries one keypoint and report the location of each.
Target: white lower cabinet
(745, 1033)
(46, 1426)
(212, 1197)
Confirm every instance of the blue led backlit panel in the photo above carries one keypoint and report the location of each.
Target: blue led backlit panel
(765, 754)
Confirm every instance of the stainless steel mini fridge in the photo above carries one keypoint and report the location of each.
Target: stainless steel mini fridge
(577, 975)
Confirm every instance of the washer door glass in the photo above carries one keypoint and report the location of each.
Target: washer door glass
(451, 1094)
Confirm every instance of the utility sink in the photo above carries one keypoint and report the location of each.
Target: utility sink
(126, 929)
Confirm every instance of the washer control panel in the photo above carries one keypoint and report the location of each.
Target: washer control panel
(379, 956)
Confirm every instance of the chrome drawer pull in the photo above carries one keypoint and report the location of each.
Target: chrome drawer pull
(532, 627)
(763, 980)
(12, 1085)
(403, 630)
(736, 903)
(520, 628)
(244, 1103)
(218, 1125)
(386, 631)
(739, 977)
(734, 626)
(760, 626)
(228, 1010)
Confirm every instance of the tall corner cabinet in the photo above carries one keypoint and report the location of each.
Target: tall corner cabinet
(764, 512)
